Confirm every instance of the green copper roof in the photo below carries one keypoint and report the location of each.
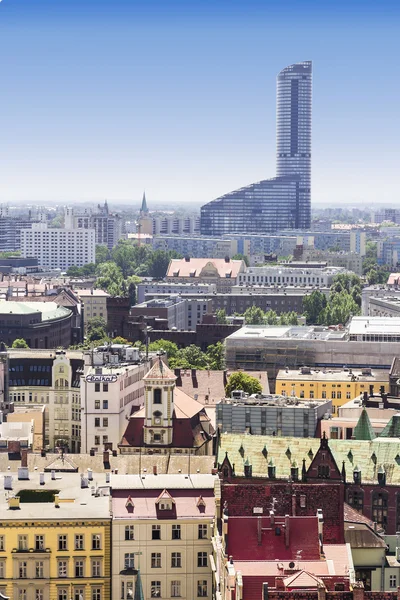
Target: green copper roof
(363, 430)
(368, 455)
(392, 429)
(138, 588)
(144, 209)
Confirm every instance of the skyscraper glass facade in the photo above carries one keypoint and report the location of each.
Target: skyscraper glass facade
(284, 201)
(293, 131)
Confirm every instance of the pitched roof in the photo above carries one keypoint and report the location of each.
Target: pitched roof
(165, 495)
(368, 455)
(180, 267)
(303, 579)
(392, 429)
(208, 386)
(363, 430)
(360, 535)
(160, 371)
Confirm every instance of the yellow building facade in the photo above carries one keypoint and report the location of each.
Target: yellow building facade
(340, 385)
(55, 550)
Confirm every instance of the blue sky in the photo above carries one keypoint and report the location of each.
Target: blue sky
(103, 99)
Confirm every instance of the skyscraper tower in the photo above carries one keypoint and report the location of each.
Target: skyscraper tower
(283, 202)
(293, 131)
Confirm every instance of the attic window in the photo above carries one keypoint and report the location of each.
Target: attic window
(228, 274)
(129, 503)
(175, 273)
(200, 502)
(165, 501)
(166, 505)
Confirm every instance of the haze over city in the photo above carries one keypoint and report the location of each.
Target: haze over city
(103, 99)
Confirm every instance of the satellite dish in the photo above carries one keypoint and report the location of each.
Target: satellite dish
(292, 565)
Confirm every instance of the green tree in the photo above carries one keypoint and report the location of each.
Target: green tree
(239, 256)
(109, 278)
(102, 254)
(19, 343)
(215, 356)
(124, 256)
(270, 317)
(190, 357)
(313, 305)
(158, 261)
(96, 329)
(221, 316)
(254, 316)
(170, 348)
(242, 381)
(119, 340)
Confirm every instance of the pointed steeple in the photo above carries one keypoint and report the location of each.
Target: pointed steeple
(363, 430)
(138, 588)
(144, 210)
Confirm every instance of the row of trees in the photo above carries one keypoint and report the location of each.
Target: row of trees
(191, 357)
(119, 270)
(256, 316)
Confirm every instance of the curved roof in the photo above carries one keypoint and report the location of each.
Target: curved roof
(48, 310)
(300, 67)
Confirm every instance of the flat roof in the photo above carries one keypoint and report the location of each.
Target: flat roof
(374, 325)
(347, 375)
(149, 481)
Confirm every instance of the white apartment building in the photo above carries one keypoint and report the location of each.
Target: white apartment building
(58, 248)
(162, 527)
(289, 276)
(50, 378)
(164, 287)
(112, 385)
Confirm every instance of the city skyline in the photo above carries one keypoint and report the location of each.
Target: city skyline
(104, 102)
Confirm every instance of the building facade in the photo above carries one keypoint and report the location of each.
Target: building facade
(55, 543)
(112, 386)
(338, 385)
(58, 248)
(49, 378)
(107, 226)
(287, 275)
(221, 272)
(162, 528)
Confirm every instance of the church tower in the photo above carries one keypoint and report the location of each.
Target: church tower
(159, 387)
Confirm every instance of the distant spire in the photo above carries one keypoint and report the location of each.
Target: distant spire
(138, 588)
(144, 210)
(363, 430)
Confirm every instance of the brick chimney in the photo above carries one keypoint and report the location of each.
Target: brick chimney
(154, 469)
(287, 532)
(293, 505)
(24, 458)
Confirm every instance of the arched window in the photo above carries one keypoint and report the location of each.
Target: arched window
(157, 396)
(380, 508)
(323, 472)
(356, 499)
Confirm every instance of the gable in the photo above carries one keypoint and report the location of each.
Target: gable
(323, 465)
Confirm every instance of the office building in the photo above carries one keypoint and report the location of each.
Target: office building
(94, 304)
(173, 312)
(289, 275)
(146, 288)
(58, 248)
(10, 231)
(161, 531)
(270, 414)
(367, 342)
(284, 201)
(351, 261)
(196, 247)
(338, 385)
(107, 226)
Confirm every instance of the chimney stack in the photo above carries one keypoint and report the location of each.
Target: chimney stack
(154, 469)
(287, 532)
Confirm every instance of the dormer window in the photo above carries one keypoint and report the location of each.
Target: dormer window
(200, 502)
(165, 501)
(129, 503)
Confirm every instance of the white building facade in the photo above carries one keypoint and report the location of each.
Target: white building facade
(289, 276)
(58, 248)
(112, 384)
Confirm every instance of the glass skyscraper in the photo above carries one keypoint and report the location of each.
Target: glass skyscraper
(293, 132)
(284, 201)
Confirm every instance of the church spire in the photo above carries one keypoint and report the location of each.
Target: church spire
(138, 588)
(144, 210)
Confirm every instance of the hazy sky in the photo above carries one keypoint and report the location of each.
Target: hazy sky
(103, 99)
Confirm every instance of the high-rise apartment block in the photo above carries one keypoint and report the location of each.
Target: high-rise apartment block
(58, 248)
(284, 201)
(107, 226)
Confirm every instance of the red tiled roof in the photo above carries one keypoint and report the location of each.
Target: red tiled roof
(303, 538)
(146, 507)
(302, 579)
